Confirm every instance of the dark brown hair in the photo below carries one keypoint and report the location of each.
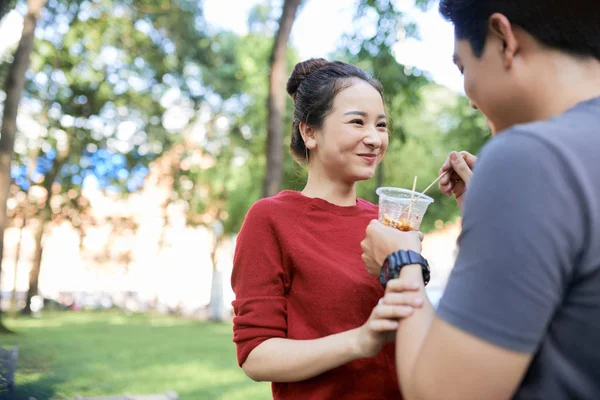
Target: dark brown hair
(313, 85)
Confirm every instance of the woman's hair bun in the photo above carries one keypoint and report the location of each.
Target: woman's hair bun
(301, 71)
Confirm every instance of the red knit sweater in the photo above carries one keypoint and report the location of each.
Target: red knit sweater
(298, 274)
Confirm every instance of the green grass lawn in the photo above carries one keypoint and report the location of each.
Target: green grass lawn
(62, 355)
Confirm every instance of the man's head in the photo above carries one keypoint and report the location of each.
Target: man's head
(508, 50)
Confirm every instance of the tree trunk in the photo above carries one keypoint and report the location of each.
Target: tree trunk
(81, 231)
(15, 83)
(276, 100)
(216, 307)
(44, 216)
(31, 167)
(34, 273)
(162, 240)
(13, 298)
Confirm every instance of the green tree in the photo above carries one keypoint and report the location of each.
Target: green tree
(222, 158)
(5, 6)
(105, 74)
(15, 83)
(276, 99)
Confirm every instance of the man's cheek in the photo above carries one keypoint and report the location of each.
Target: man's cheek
(471, 90)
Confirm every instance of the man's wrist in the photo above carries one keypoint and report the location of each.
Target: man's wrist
(412, 272)
(406, 264)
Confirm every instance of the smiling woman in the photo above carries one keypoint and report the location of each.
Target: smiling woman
(305, 308)
(338, 115)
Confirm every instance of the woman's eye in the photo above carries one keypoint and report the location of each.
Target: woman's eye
(382, 125)
(357, 121)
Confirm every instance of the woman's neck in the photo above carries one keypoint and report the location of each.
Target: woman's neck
(335, 192)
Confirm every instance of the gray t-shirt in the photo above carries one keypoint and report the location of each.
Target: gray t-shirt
(527, 276)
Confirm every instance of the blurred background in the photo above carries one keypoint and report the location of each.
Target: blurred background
(135, 136)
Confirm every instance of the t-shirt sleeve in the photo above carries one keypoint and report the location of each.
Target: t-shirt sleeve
(258, 281)
(523, 228)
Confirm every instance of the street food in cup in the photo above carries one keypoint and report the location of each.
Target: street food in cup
(402, 224)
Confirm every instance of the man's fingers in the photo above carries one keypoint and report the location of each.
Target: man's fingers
(445, 166)
(447, 188)
(444, 179)
(469, 158)
(461, 167)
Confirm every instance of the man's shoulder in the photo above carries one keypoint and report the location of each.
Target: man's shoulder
(570, 132)
(521, 163)
(516, 147)
(539, 142)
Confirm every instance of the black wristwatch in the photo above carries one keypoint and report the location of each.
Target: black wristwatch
(395, 261)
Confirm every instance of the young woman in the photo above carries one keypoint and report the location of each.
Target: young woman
(306, 311)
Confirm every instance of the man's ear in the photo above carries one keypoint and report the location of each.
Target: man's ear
(308, 135)
(501, 28)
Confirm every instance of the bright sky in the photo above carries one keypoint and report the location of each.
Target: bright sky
(321, 23)
(10, 30)
(316, 33)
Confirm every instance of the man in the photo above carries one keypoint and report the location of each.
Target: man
(520, 316)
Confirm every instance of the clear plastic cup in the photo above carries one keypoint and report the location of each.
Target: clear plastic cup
(393, 208)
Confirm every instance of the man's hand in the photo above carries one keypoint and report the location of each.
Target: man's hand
(455, 183)
(381, 241)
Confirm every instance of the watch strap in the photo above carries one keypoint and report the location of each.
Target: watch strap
(398, 259)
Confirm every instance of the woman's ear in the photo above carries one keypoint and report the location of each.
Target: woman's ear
(308, 135)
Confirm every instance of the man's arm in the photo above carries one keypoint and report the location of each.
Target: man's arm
(468, 368)
(523, 230)
(438, 361)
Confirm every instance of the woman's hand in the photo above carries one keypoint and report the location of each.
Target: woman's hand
(381, 326)
(461, 165)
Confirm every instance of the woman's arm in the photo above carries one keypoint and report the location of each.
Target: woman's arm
(260, 283)
(288, 360)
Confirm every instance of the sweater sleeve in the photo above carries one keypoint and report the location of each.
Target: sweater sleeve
(258, 281)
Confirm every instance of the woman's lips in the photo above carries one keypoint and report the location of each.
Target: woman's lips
(370, 158)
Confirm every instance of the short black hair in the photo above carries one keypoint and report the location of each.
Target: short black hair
(572, 26)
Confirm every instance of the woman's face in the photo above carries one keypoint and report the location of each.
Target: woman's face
(354, 135)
